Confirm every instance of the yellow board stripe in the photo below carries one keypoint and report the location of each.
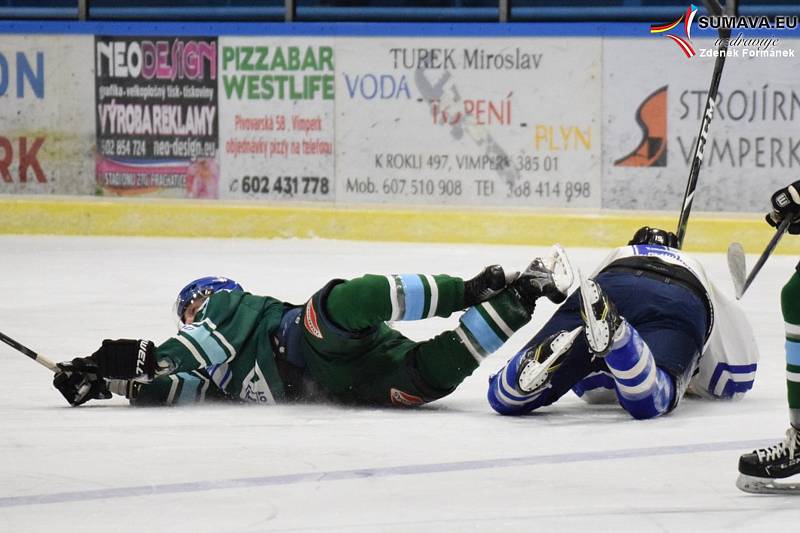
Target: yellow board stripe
(192, 218)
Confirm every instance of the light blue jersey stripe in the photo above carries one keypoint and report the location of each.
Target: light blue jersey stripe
(414, 296)
(793, 353)
(481, 331)
(210, 346)
(189, 387)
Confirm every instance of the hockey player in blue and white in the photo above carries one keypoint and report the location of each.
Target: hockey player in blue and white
(648, 326)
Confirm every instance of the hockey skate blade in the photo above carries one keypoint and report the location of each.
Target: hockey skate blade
(534, 375)
(558, 263)
(587, 299)
(737, 266)
(758, 485)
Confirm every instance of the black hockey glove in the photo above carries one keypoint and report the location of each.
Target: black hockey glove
(786, 203)
(79, 387)
(120, 359)
(81, 379)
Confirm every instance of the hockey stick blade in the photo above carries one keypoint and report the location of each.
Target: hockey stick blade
(42, 360)
(737, 266)
(784, 225)
(592, 329)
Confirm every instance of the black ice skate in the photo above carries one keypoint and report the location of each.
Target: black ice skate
(600, 316)
(551, 277)
(768, 470)
(485, 285)
(540, 361)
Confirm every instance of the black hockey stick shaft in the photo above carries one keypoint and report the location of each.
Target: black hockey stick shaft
(773, 242)
(42, 360)
(697, 161)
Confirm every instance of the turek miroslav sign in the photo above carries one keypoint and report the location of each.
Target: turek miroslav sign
(680, 32)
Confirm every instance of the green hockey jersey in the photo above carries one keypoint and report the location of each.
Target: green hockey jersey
(335, 347)
(229, 342)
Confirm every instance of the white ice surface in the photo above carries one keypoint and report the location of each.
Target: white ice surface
(453, 465)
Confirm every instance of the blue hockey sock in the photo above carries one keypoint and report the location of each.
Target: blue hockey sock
(643, 389)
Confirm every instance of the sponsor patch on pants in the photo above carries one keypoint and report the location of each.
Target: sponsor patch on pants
(310, 320)
(399, 397)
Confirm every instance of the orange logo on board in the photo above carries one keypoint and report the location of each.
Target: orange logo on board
(652, 119)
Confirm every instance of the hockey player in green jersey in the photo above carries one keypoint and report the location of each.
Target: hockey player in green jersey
(337, 346)
(776, 469)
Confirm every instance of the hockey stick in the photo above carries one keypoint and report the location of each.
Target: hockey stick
(715, 9)
(737, 267)
(42, 360)
(736, 260)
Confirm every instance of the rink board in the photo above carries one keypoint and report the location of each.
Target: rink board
(59, 216)
(463, 116)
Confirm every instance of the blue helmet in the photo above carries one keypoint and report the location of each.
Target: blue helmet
(202, 287)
